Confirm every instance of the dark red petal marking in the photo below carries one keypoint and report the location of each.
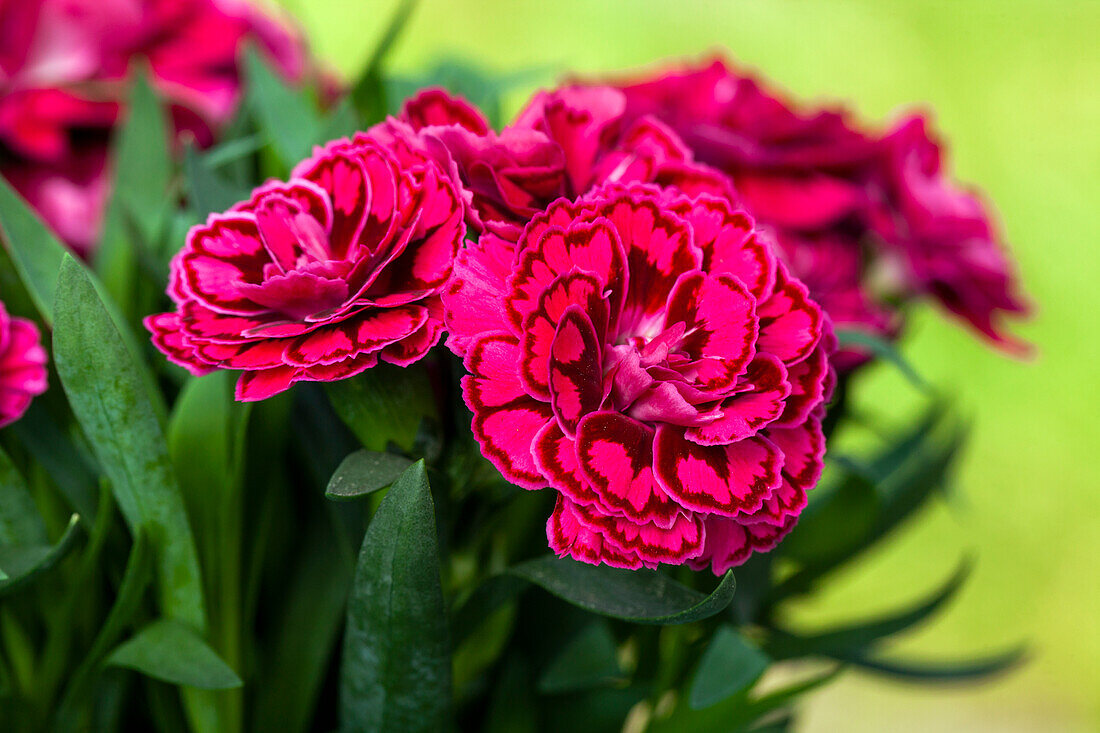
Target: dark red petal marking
(576, 375)
(759, 400)
(263, 383)
(345, 177)
(790, 323)
(556, 457)
(720, 318)
(507, 436)
(730, 543)
(168, 337)
(573, 288)
(493, 380)
(364, 332)
(221, 256)
(593, 247)
(616, 455)
(673, 545)
(568, 535)
(730, 480)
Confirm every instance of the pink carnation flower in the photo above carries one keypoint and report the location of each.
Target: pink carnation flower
(22, 366)
(563, 144)
(864, 220)
(644, 354)
(319, 277)
(63, 70)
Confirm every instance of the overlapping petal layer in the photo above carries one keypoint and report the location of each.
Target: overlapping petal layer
(642, 352)
(319, 277)
(863, 219)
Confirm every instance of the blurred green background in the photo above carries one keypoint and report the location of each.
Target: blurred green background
(1014, 87)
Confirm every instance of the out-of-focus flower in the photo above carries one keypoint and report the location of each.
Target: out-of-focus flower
(563, 144)
(320, 277)
(865, 220)
(645, 354)
(945, 234)
(22, 366)
(64, 66)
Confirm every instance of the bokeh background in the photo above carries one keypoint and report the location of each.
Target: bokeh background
(1014, 87)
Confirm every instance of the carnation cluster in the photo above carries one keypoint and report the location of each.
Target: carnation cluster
(641, 280)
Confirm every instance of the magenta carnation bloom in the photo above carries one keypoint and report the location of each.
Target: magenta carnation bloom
(319, 277)
(864, 220)
(945, 234)
(644, 354)
(22, 366)
(63, 70)
(563, 144)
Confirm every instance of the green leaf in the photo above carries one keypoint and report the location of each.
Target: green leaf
(35, 252)
(938, 671)
(231, 151)
(907, 472)
(884, 350)
(110, 400)
(20, 564)
(730, 665)
(287, 117)
(70, 469)
(138, 208)
(396, 671)
(512, 707)
(384, 405)
(306, 628)
(588, 660)
(641, 596)
(863, 634)
(170, 651)
(343, 122)
(364, 472)
(368, 94)
(209, 192)
(739, 712)
(486, 598)
(20, 522)
(135, 579)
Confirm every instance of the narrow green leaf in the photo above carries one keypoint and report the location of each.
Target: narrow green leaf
(20, 564)
(287, 117)
(588, 660)
(109, 398)
(135, 579)
(396, 671)
(138, 208)
(342, 122)
(209, 192)
(35, 251)
(364, 472)
(884, 350)
(44, 439)
(863, 634)
(170, 651)
(512, 707)
(384, 405)
(232, 150)
(20, 522)
(486, 598)
(730, 665)
(369, 94)
(641, 596)
(938, 671)
(306, 628)
(738, 712)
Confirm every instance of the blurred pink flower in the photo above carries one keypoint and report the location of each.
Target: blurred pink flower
(319, 277)
(643, 353)
(64, 66)
(564, 143)
(865, 220)
(22, 366)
